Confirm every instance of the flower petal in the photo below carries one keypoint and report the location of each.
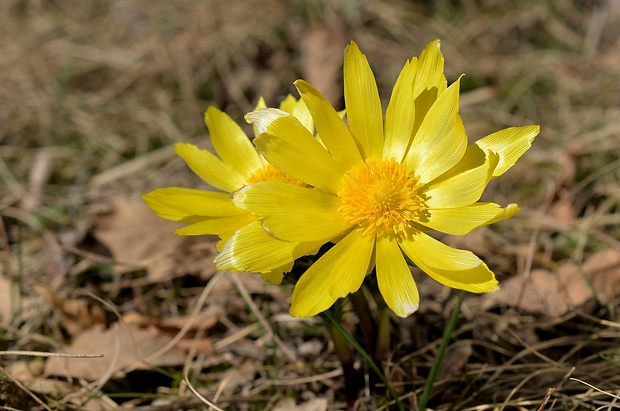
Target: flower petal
(394, 278)
(362, 101)
(464, 184)
(218, 226)
(288, 104)
(430, 81)
(231, 143)
(400, 114)
(461, 220)
(210, 168)
(301, 113)
(178, 204)
(333, 131)
(252, 249)
(510, 143)
(289, 147)
(337, 273)
(274, 277)
(441, 141)
(430, 70)
(455, 268)
(293, 213)
(507, 212)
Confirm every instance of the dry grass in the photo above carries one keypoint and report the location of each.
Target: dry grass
(94, 93)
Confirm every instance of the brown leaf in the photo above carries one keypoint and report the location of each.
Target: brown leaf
(173, 326)
(137, 238)
(315, 404)
(75, 315)
(124, 346)
(6, 311)
(557, 293)
(455, 360)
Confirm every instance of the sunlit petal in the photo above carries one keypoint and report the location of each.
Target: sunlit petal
(430, 73)
(209, 168)
(252, 249)
(429, 83)
(394, 278)
(441, 141)
(461, 220)
(362, 101)
(217, 225)
(289, 147)
(507, 212)
(461, 189)
(336, 274)
(452, 267)
(293, 213)
(176, 203)
(510, 144)
(230, 142)
(400, 114)
(333, 131)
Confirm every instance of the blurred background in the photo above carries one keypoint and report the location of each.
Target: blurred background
(93, 95)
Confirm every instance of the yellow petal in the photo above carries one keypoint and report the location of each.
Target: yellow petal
(395, 280)
(337, 273)
(289, 147)
(252, 249)
(430, 82)
(301, 113)
(231, 143)
(441, 141)
(509, 211)
(430, 70)
(288, 104)
(510, 143)
(334, 133)
(209, 168)
(400, 114)
(461, 188)
(274, 277)
(362, 101)
(455, 268)
(461, 220)
(293, 213)
(177, 204)
(218, 225)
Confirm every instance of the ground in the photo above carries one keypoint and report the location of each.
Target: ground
(94, 95)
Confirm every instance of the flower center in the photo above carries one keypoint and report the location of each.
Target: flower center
(270, 173)
(382, 198)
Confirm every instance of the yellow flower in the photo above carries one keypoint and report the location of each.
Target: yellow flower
(375, 187)
(213, 213)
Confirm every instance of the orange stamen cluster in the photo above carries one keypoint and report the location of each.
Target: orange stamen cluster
(381, 197)
(270, 173)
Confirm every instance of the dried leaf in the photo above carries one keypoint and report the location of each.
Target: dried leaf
(123, 346)
(557, 293)
(84, 399)
(5, 301)
(75, 315)
(315, 404)
(172, 326)
(137, 238)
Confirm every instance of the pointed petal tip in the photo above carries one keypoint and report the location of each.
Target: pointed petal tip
(263, 117)
(405, 311)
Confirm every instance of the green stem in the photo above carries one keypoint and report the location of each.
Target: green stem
(367, 320)
(447, 335)
(383, 322)
(344, 352)
(366, 358)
